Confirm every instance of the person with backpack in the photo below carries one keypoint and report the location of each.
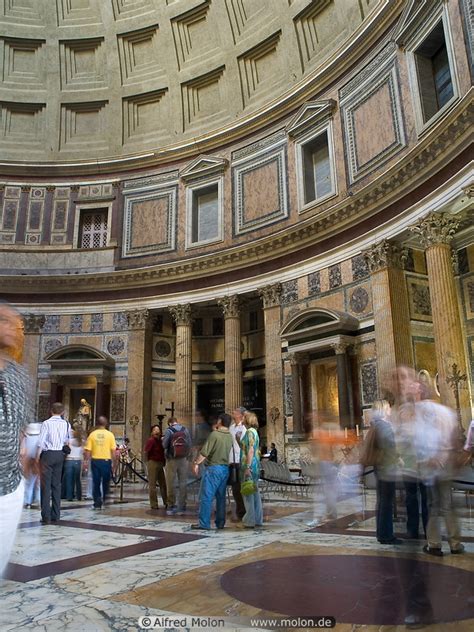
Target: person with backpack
(177, 445)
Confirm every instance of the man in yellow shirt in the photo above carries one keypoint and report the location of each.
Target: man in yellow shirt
(100, 448)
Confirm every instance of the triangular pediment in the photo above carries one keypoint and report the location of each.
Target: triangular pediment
(415, 14)
(203, 166)
(310, 115)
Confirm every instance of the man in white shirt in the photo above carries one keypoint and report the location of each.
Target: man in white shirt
(237, 430)
(55, 433)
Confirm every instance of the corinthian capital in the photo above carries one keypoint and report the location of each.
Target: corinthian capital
(340, 347)
(138, 318)
(33, 323)
(435, 229)
(230, 306)
(270, 295)
(181, 314)
(384, 254)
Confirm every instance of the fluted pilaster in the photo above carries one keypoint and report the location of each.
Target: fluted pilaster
(182, 316)
(230, 306)
(390, 305)
(436, 232)
(270, 295)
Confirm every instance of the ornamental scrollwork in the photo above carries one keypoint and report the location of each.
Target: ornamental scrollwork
(436, 229)
(181, 314)
(271, 295)
(230, 306)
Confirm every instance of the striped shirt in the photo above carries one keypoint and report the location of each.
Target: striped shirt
(54, 433)
(14, 415)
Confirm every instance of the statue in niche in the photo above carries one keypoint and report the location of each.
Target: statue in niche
(84, 414)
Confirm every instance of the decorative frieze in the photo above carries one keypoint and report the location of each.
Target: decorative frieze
(181, 314)
(271, 295)
(33, 323)
(230, 306)
(435, 229)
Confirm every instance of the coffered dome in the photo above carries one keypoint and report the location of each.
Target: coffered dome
(86, 79)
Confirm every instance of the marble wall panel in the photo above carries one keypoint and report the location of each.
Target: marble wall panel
(372, 140)
(419, 299)
(260, 191)
(425, 355)
(150, 222)
(368, 380)
(359, 300)
(468, 296)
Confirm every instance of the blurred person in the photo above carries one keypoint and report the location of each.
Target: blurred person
(441, 444)
(406, 392)
(29, 450)
(100, 449)
(215, 456)
(327, 441)
(73, 467)
(55, 434)
(250, 470)
(273, 455)
(385, 472)
(155, 456)
(237, 430)
(177, 445)
(14, 413)
(469, 444)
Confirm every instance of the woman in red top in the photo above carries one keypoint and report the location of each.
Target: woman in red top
(155, 456)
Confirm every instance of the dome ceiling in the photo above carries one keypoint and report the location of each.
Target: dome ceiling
(86, 79)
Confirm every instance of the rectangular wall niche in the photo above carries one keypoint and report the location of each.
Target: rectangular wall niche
(204, 215)
(77, 12)
(22, 123)
(150, 222)
(83, 125)
(22, 63)
(22, 12)
(139, 57)
(202, 99)
(82, 64)
(142, 114)
(131, 8)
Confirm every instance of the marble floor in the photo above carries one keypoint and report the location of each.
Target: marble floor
(103, 570)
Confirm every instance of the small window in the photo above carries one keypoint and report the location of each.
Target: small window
(93, 229)
(317, 171)
(218, 326)
(205, 221)
(435, 82)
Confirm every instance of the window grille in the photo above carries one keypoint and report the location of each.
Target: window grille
(94, 229)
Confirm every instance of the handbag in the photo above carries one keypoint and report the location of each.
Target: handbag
(234, 467)
(248, 487)
(370, 453)
(66, 449)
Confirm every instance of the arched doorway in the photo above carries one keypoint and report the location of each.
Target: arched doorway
(317, 342)
(79, 372)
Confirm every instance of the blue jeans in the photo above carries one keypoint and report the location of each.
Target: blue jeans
(72, 478)
(101, 473)
(253, 510)
(213, 485)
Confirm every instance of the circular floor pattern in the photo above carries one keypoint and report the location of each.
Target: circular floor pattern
(360, 589)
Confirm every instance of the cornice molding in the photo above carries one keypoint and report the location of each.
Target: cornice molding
(443, 143)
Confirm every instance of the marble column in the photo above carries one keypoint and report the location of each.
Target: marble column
(391, 309)
(270, 296)
(184, 364)
(343, 384)
(230, 306)
(436, 232)
(296, 393)
(32, 327)
(139, 377)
